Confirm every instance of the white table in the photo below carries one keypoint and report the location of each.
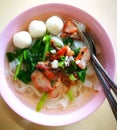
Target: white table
(105, 11)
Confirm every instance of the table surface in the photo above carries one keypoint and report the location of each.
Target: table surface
(105, 11)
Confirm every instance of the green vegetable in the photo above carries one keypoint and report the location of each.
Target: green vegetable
(46, 40)
(11, 56)
(37, 50)
(17, 54)
(82, 74)
(41, 102)
(68, 40)
(31, 57)
(18, 66)
(71, 77)
(62, 58)
(27, 58)
(61, 62)
(25, 54)
(73, 67)
(29, 61)
(24, 75)
(14, 55)
(76, 51)
(70, 95)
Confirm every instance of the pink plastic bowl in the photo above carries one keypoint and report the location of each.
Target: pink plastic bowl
(67, 116)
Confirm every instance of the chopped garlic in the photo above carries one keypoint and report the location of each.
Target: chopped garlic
(68, 60)
(54, 64)
(53, 51)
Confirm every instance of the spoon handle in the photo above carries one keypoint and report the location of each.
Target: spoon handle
(112, 84)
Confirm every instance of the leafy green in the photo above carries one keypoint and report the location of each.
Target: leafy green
(27, 58)
(62, 58)
(29, 61)
(76, 51)
(73, 67)
(11, 56)
(31, 58)
(37, 50)
(24, 75)
(14, 55)
(82, 74)
(68, 40)
(17, 54)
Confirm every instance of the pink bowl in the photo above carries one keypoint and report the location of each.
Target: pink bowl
(17, 103)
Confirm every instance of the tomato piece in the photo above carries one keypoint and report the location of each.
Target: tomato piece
(59, 53)
(62, 51)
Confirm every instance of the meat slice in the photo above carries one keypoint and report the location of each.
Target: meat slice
(41, 82)
(58, 89)
(83, 57)
(70, 29)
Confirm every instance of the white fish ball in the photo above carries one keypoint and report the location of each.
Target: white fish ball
(37, 28)
(54, 25)
(22, 39)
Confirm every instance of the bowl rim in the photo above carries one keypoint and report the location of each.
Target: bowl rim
(65, 119)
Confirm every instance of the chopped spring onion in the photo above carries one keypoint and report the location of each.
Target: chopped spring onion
(71, 76)
(61, 63)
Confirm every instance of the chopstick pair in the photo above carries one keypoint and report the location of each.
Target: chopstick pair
(105, 79)
(107, 91)
(111, 83)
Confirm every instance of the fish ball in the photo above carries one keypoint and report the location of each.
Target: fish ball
(37, 28)
(54, 25)
(22, 39)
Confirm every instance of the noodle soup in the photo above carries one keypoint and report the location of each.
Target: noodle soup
(49, 65)
(83, 97)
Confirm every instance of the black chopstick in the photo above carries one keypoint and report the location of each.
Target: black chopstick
(106, 88)
(104, 73)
